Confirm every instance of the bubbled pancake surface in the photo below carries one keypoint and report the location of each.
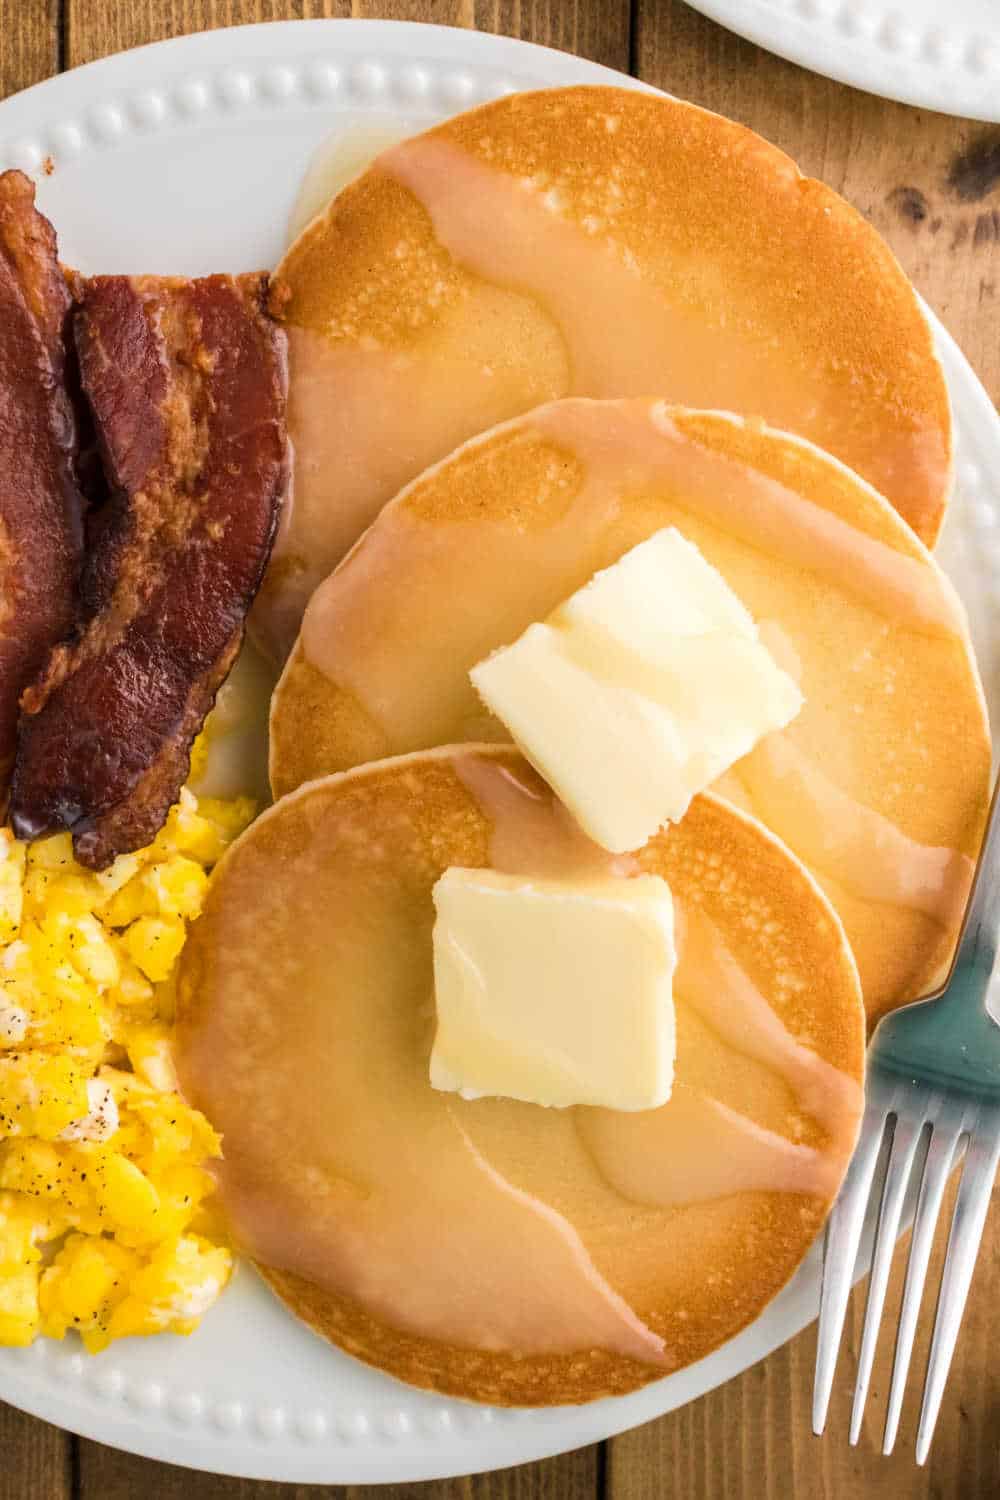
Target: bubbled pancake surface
(379, 837)
(508, 526)
(777, 298)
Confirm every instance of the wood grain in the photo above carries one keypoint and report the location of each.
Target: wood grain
(598, 29)
(29, 43)
(36, 1460)
(106, 1474)
(94, 28)
(930, 184)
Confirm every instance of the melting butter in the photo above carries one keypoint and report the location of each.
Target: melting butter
(696, 1147)
(341, 1164)
(702, 1149)
(663, 1156)
(336, 162)
(639, 690)
(537, 298)
(237, 731)
(866, 854)
(865, 622)
(625, 463)
(555, 992)
(713, 984)
(306, 1040)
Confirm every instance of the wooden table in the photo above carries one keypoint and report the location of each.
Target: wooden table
(931, 184)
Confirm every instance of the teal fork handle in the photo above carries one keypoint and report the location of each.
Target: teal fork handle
(952, 1042)
(977, 943)
(950, 1038)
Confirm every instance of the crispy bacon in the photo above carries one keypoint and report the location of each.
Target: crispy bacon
(186, 381)
(41, 507)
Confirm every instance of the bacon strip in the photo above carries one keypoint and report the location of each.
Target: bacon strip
(187, 382)
(41, 507)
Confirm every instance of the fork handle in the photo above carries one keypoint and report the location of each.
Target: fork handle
(976, 952)
(953, 1041)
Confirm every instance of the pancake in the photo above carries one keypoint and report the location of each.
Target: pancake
(494, 1249)
(593, 242)
(880, 784)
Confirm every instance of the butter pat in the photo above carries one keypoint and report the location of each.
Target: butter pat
(554, 992)
(639, 690)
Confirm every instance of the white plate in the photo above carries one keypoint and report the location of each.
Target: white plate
(942, 54)
(186, 157)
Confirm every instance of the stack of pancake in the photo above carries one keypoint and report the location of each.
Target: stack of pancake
(519, 345)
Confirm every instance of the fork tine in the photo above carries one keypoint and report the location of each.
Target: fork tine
(905, 1136)
(960, 1258)
(840, 1251)
(937, 1169)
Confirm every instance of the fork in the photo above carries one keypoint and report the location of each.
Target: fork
(933, 1086)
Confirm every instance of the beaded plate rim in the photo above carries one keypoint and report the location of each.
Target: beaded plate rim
(952, 64)
(326, 1418)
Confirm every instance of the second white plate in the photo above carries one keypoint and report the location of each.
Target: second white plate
(940, 55)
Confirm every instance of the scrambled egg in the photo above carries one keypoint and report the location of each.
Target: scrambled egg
(103, 1223)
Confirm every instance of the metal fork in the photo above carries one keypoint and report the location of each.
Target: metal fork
(933, 1086)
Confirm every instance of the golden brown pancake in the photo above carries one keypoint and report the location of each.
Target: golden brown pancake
(494, 1249)
(592, 242)
(881, 783)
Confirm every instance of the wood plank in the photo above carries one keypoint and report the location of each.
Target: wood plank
(95, 29)
(106, 1474)
(598, 29)
(29, 43)
(36, 1460)
(929, 184)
